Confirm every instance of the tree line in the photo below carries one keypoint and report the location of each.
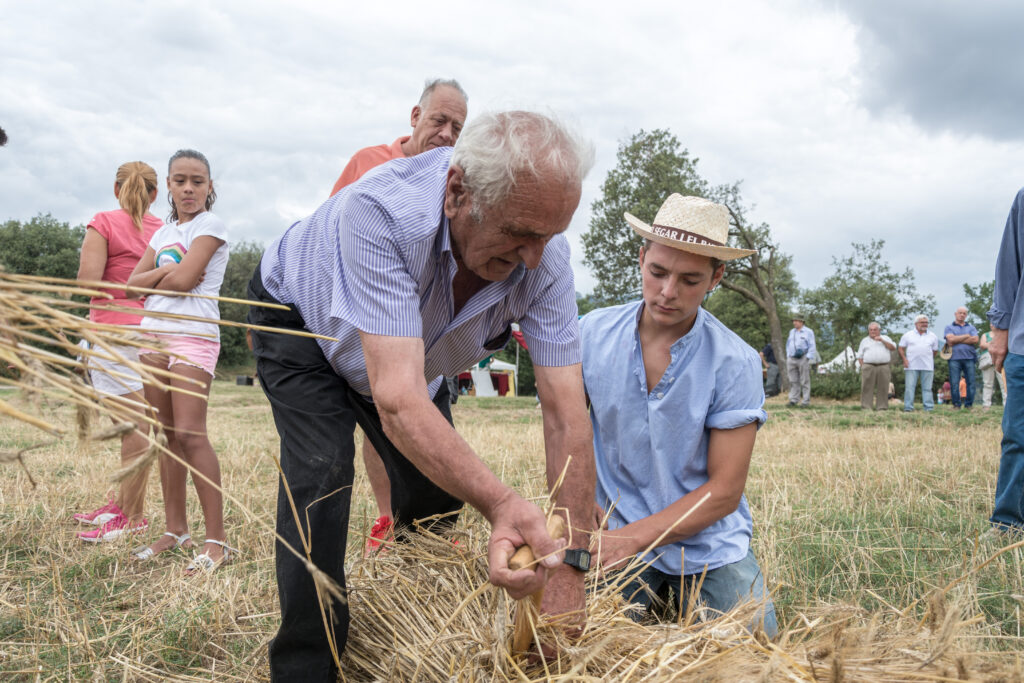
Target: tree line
(756, 299)
(759, 293)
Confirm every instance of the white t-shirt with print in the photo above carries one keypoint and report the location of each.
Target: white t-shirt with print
(170, 244)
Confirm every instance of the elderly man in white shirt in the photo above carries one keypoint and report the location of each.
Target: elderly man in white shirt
(874, 357)
(917, 349)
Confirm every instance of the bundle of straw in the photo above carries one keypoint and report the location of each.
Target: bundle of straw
(423, 611)
(37, 312)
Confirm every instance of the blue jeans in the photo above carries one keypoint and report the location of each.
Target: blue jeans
(910, 378)
(1009, 507)
(963, 367)
(721, 590)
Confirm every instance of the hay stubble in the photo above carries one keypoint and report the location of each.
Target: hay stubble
(858, 523)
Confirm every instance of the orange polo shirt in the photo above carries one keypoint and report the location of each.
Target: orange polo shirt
(366, 158)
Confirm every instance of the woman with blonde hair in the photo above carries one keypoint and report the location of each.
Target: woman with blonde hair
(114, 243)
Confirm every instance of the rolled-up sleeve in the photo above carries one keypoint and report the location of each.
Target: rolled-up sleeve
(739, 396)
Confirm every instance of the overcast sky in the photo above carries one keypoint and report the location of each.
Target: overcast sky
(845, 121)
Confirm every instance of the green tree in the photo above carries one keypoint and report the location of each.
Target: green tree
(585, 303)
(979, 300)
(244, 256)
(650, 166)
(41, 246)
(764, 278)
(864, 288)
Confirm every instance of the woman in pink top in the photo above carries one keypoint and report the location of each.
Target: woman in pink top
(114, 243)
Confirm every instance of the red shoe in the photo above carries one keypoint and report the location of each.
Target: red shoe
(99, 516)
(380, 533)
(113, 530)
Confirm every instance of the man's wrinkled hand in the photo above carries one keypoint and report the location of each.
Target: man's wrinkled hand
(997, 348)
(516, 522)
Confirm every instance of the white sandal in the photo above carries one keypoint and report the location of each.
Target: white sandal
(145, 552)
(203, 562)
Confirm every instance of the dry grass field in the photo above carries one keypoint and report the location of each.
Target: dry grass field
(868, 527)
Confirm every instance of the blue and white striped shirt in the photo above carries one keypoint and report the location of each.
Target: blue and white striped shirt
(377, 257)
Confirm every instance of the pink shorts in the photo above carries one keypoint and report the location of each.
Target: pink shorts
(181, 349)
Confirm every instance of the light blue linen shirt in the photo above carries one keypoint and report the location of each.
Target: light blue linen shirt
(802, 339)
(1007, 312)
(377, 257)
(651, 447)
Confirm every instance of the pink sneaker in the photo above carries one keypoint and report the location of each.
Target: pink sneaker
(380, 532)
(113, 530)
(100, 516)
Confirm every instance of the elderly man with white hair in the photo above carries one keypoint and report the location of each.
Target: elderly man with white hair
(874, 356)
(917, 349)
(417, 271)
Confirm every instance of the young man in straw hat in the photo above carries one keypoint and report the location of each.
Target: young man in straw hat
(676, 401)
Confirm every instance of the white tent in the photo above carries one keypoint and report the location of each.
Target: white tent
(501, 365)
(844, 361)
(482, 377)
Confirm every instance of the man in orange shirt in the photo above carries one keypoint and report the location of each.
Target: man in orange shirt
(436, 121)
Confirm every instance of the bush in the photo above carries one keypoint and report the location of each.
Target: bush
(242, 261)
(837, 385)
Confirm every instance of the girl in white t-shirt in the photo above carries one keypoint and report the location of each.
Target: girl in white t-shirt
(188, 254)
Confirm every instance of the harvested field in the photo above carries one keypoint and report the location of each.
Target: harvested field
(869, 529)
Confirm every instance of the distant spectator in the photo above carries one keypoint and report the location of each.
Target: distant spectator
(772, 385)
(3, 137)
(875, 356)
(1007, 348)
(962, 336)
(945, 394)
(988, 373)
(800, 353)
(917, 349)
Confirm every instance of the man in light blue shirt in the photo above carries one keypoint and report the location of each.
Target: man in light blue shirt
(676, 400)
(415, 272)
(801, 352)
(1007, 349)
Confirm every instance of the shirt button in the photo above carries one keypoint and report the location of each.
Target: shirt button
(661, 395)
(671, 379)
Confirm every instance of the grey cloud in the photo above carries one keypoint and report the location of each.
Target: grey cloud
(951, 66)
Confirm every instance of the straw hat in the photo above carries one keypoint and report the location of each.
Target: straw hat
(947, 351)
(692, 224)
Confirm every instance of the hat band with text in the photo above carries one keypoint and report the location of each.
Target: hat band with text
(683, 235)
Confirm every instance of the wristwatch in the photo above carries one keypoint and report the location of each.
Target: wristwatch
(577, 558)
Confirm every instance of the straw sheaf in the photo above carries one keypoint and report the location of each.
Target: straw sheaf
(32, 314)
(694, 215)
(424, 612)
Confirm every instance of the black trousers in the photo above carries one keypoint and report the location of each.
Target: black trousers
(316, 413)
